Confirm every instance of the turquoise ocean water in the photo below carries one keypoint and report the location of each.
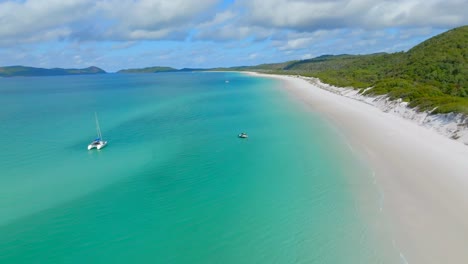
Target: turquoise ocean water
(175, 184)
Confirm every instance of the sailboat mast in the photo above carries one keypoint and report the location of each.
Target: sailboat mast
(98, 129)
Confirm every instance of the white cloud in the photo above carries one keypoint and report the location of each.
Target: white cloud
(219, 19)
(233, 32)
(229, 25)
(253, 56)
(298, 43)
(41, 20)
(115, 32)
(150, 19)
(306, 56)
(318, 14)
(132, 20)
(300, 40)
(31, 21)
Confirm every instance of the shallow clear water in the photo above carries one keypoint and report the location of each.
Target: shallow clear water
(175, 184)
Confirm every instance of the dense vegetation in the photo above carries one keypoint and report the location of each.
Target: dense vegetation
(432, 75)
(12, 71)
(148, 70)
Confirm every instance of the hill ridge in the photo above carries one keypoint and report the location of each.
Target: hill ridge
(13, 71)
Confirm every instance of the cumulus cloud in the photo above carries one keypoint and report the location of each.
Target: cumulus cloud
(238, 32)
(229, 25)
(233, 32)
(306, 15)
(133, 20)
(150, 19)
(299, 40)
(297, 24)
(41, 20)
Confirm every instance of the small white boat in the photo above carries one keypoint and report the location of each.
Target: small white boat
(243, 135)
(98, 143)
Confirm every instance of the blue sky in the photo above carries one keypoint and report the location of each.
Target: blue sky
(122, 34)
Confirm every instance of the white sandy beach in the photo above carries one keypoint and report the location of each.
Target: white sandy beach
(422, 174)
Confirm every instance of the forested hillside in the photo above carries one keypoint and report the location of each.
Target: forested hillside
(12, 71)
(154, 69)
(433, 74)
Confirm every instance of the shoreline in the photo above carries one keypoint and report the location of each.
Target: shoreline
(423, 175)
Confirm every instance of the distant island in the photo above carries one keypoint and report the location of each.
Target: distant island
(154, 69)
(13, 71)
(157, 69)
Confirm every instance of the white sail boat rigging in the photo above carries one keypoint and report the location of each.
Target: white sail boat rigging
(98, 143)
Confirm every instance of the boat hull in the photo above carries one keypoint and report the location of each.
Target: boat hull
(97, 145)
(104, 143)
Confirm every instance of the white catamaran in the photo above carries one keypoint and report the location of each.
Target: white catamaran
(98, 143)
